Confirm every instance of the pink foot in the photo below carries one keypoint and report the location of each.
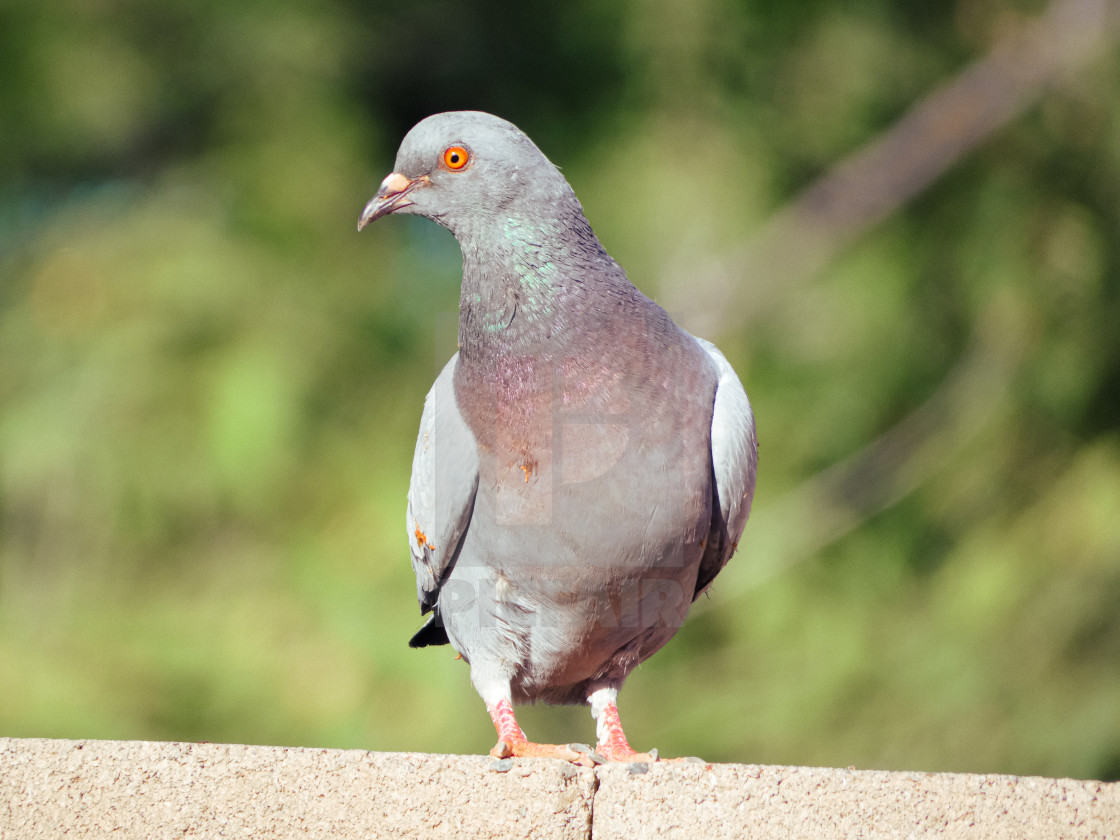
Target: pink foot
(615, 747)
(512, 742)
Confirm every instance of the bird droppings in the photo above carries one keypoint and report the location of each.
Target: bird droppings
(639, 768)
(501, 765)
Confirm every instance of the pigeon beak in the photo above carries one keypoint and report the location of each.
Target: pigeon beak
(392, 195)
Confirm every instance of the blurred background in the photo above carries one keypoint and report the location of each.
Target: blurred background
(900, 220)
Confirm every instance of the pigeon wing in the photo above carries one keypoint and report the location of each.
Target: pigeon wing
(734, 464)
(440, 495)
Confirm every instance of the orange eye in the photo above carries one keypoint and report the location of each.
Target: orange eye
(455, 157)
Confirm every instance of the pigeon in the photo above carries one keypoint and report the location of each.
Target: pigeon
(584, 467)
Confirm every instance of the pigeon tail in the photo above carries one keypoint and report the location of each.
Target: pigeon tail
(430, 634)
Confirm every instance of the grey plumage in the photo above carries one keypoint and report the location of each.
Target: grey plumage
(584, 467)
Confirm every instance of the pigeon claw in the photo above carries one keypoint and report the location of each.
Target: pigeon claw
(530, 749)
(626, 754)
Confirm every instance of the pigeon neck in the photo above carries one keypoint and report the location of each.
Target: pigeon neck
(519, 278)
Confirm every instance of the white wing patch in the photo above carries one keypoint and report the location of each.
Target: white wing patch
(734, 448)
(441, 491)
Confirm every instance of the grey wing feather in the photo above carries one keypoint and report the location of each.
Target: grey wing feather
(734, 465)
(442, 489)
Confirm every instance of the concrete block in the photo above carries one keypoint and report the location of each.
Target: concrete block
(148, 791)
(743, 801)
(135, 790)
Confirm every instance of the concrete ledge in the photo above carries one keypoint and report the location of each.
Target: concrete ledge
(95, 789)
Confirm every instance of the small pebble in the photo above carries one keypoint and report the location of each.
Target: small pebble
(502, 765)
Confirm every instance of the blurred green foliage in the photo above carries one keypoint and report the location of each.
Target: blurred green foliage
(211, 384)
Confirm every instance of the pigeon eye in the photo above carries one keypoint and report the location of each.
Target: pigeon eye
(455, 157)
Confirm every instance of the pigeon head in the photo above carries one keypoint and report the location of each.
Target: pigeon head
(467, 170)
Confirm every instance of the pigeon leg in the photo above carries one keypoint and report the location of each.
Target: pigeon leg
(509, 732)
(512, 741)
(613, 745)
